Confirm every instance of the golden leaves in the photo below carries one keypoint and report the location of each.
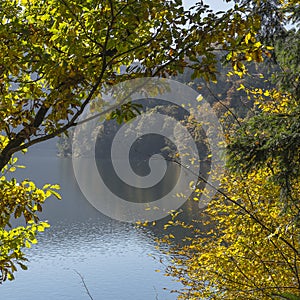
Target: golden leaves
(19, 199)
(251, 246)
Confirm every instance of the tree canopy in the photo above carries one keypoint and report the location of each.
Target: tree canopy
(56, 56)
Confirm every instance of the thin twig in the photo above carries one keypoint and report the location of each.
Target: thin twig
(84, 284)
(156, 294)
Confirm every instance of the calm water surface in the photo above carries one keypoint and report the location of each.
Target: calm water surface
(113, 257)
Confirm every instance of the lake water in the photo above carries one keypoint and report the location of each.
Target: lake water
(113, 257)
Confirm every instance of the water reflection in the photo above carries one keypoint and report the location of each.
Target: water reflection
(112, 256)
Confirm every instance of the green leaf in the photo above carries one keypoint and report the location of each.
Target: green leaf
(23, 267)
(290, 296)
